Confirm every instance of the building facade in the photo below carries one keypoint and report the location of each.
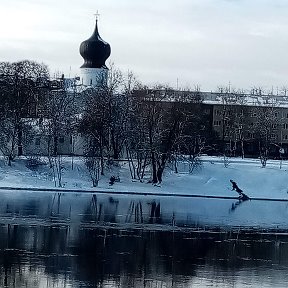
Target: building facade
(250, 121)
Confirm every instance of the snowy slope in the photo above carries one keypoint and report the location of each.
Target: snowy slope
(212, 179)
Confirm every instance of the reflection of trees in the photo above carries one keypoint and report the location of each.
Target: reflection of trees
(29, 254)
(17, 270)
(108, 211)
(73, 208)
(30, 207)
(93, 211)
(97, 211)
(143, 255)
(34, 206)
(128, 258)
(55, 206)
(155, 213)
(135, 212)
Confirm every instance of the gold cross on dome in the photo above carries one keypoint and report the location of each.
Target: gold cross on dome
(97, 15)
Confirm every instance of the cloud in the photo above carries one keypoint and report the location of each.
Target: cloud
(210, 42)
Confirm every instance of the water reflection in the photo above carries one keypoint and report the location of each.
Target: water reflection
(90, 240)
(236, 204)
(86, 208)
(55, 256)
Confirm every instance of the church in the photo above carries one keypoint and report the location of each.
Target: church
(93, 74)
(95, 52)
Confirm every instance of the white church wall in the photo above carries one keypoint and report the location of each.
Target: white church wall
(94, 76)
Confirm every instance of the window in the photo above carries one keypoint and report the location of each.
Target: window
(273, 136)
(228, 113)
(217, 123)
(227, 123)
(273, 126)
(37, 141)
(61, 140)
(276, 114)
(218, 112)
(71, 140)
(285, 126)
(285, 137)
(251, 135)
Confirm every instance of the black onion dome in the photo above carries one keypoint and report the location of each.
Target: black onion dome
(95, 51)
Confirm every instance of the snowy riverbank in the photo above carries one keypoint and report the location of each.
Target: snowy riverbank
(212, 179)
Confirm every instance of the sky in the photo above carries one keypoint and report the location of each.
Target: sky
(210, 43)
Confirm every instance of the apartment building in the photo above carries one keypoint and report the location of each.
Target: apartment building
(251, 121)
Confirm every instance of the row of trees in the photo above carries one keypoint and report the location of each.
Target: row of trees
(23, 86)
(150, 127)
(262, 125)
(34, 107)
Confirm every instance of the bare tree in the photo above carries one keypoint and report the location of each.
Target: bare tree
(59, 121)
(234, 121)
(135, 144)
(22, 86)
(163, 117)
(236, 124)
(104, 117)
(93, 165)
(265, 131)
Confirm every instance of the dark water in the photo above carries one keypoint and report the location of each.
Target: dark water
(89, 240)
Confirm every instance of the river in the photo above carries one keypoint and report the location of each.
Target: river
(98, 240)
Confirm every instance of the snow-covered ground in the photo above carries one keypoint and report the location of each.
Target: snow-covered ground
(212, 179)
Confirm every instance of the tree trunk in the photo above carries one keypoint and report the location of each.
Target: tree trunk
(154, 168)
(159, 174)
(19, 140)
(242, 149)
(55, 146)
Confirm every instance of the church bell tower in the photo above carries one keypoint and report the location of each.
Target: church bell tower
(95, 52)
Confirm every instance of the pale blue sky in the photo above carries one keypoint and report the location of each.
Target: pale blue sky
(206, 42)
